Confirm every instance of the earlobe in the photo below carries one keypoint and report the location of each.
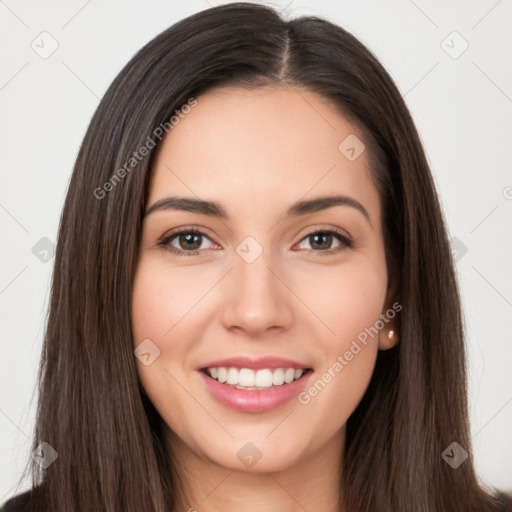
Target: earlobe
(388, 337)
(389, 334)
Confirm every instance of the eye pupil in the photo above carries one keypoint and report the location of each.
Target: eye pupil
(188, 239)
(324, 237)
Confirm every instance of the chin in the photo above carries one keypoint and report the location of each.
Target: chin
(257, 453)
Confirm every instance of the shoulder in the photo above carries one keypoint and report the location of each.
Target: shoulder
(18, 503)
(28, 501)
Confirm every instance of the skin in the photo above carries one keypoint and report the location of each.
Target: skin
(257, 152)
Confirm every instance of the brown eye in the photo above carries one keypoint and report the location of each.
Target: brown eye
(186, 242)
(189, 241)
(322, 242)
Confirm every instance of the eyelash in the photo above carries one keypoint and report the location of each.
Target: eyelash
(346, 242)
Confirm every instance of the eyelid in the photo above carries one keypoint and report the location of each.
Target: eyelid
(326, 228)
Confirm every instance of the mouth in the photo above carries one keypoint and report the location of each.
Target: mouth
(249, 379)
(258, 389)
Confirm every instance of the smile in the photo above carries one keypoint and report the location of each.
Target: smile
(254, 380)
(254, 385)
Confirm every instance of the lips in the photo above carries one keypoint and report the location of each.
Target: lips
(255, 364)
(254, 385)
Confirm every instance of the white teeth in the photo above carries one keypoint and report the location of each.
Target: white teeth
(222, 374)
(246, 378)
(263, 379)
(289, 375)
(278, 377)
(232, 376)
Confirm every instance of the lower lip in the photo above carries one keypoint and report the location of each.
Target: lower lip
(254, 401)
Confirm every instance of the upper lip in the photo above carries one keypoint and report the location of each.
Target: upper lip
(254, 364)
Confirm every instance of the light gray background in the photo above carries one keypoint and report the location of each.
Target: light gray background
(462, 107)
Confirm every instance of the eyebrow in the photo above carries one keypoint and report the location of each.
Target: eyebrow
(213, 209)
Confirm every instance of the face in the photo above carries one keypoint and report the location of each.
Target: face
(283, 301)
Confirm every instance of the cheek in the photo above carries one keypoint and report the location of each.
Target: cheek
(168, 308)
(349, 303)
(360, 305)
(162, 298)
(158, 303)
(162, 311)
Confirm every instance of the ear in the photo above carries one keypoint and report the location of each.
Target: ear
(389, 335)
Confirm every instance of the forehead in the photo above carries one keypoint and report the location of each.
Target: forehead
(261, 148)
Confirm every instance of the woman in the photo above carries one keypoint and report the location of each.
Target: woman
(254, 305)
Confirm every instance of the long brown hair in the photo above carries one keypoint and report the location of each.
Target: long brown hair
(92, 409)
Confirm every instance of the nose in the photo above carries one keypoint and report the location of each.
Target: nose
(257, 298)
